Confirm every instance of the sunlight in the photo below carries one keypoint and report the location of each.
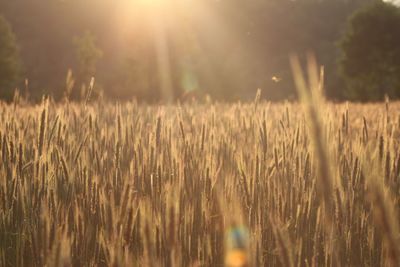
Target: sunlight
(152, 3)
(154, 21)
(143, 14)
(175, 34)
(200, 133)
(150, 7)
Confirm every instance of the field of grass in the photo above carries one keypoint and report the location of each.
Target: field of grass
(134, 185)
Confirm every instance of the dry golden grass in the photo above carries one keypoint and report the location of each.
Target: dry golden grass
(128, 185)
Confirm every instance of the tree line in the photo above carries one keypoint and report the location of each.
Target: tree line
(227, 49)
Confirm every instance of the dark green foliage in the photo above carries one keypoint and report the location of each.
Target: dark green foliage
(9, 62)
(87, 54)
(227, 49)
(371, 53)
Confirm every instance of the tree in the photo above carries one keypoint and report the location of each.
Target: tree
(229, 51)
(9, 61)
(370, 64)
(87, 54)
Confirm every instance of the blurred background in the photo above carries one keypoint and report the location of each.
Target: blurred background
(168, 50)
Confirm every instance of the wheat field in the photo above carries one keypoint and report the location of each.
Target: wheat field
(105, 184)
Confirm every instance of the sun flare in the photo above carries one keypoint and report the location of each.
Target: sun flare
(152, 3)
(151, 6)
